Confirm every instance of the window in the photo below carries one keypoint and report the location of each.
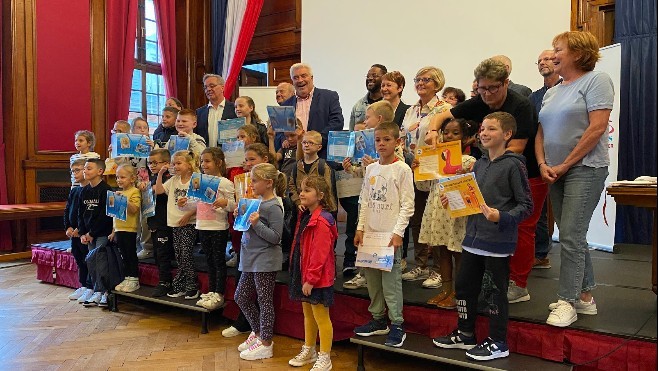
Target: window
(147, 94)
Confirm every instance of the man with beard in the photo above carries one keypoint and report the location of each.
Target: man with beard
(284, 91)
(551, 78)
(317, 109)
(374, 86)
(217, 109)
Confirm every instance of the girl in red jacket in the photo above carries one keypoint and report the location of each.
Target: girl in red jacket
(313, 269)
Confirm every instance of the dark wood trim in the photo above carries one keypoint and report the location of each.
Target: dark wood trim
(46, 164)
(98, 76)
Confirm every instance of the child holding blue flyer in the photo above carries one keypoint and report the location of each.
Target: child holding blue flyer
(245, 107)
(185, 124)
(124, 233)
(261, 259)
(212, 224)
(387, 203)
(180, 217)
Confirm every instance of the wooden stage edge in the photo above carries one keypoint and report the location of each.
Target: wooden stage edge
(15, 256)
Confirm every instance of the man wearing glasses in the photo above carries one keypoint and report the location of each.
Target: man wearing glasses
(217, 109)
(495, 95)
(374, 87)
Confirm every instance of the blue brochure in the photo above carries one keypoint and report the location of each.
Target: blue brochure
(148, 201)
(340, 145)
(203, 187)
(282, 118)
(246, 206)
(233, 153)
(130, 145)
(228, 130)
(364, 144)
(116, 205)
(177, 143)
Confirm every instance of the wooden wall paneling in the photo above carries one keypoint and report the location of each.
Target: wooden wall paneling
(596, 16)
(279, 70)
(278, 33)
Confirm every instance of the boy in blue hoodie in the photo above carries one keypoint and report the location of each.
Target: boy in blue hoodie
(490, 240)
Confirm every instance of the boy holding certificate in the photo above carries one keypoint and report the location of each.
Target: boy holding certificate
(387, 203)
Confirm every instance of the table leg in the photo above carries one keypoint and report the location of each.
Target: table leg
(204, 323)
(359, 350)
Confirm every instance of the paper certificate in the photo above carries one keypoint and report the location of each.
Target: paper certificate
(340, 145)
(243, 189)
(282, 118)
(116, 205)
(203, 188)
(148, 201)
(246, 207)
(463, 193)
(233, 153)
(177, 143)
(428, 163)
(375, 252)
(348, 185)
(228, 130)
(130, 145)
(364, 144)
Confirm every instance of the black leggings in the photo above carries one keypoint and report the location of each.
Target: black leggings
(214, 246)
(80, 252)
(163, 249)
(467, 289)
(126, 241)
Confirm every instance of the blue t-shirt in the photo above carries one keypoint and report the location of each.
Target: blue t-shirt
(564, 117)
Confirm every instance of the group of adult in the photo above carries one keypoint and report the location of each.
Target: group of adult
(561, 131)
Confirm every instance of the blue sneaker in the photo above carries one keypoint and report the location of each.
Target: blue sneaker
(374, 327)
(396, 337)
(488, 350)
(456, 340)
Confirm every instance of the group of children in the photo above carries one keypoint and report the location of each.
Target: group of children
(296, 178)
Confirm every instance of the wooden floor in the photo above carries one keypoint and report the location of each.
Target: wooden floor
(40, 329)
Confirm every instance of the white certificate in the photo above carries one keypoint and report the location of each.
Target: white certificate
(375, 252)
(233, 153)
(348, 185)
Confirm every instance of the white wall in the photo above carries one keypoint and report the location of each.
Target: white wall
(341, 39)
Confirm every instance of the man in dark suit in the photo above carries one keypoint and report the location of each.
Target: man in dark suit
(317, 109)
(217, 109)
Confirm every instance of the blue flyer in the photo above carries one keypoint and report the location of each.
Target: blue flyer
(177, 143)
(228, 130)
(246, 206)
(233, 153)
(148, 201)
(130, 145)
(203, 187)
(116, 205)
(364, 144)
(340, 145)
(282, 118)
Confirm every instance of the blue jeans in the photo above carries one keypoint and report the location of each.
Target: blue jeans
(574, 197)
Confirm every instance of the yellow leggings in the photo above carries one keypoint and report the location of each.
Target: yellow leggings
(316, 317)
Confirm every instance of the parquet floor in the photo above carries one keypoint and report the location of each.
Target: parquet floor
(40, 329)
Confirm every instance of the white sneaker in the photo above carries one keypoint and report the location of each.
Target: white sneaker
(131, 285)
(323, 363)
(77, 293)
(103, 302)
(85, 296)
(416, 274)
(123, 284)
(233, 261)
(93, 300)
(563, 315)
(144, 254)
(251, 340)
(231, 332)
(306, 356)
(582, 307)
(356, 282)
(216, 300)
(257, 350)
(433, 281)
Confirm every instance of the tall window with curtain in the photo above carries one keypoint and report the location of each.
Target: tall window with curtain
(147, 94)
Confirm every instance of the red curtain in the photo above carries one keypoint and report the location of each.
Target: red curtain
(5, 232)
(165, 16)
(246, 34)
(121, 31)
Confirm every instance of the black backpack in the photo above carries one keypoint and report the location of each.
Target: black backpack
(322, 166)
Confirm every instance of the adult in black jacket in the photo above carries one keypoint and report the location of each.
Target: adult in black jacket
(218, 108)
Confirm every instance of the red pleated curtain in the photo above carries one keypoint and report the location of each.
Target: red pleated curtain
(165, 16)
(244, 40)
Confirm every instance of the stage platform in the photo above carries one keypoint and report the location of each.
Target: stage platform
(626, 321)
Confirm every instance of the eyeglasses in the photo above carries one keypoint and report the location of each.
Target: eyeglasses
(422, 79)
(75, 171)
(493, 89)
(211, 86)
(155, 163)
(374, 77)
(307, 143)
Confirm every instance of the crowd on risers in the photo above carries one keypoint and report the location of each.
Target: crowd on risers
(520, 145)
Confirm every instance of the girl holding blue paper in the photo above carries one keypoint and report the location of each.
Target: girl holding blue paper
(260, 260)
